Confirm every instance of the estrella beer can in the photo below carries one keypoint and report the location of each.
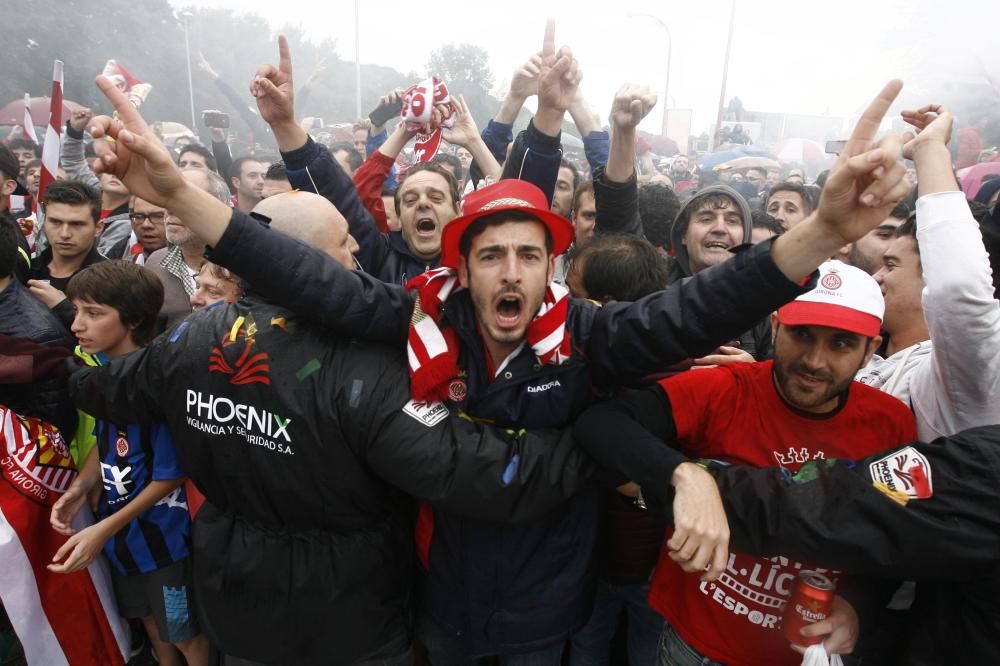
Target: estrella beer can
(811, 601)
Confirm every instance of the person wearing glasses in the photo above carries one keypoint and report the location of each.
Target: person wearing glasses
(148, 232)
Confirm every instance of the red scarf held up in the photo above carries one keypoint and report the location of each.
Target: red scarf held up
(433, 351)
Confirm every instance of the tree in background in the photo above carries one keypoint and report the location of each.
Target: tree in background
(148, 38)
(465, 68)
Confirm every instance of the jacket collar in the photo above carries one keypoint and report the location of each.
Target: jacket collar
(92, 258)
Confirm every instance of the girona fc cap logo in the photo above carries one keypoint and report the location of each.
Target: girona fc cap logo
(235, 356)
(831, 281)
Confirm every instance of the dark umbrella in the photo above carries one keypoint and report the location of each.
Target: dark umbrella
(713, 159)
(13, 113)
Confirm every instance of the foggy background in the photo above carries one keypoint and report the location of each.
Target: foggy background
(820, 59)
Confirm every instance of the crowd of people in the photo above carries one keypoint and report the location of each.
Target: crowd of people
(382, 402)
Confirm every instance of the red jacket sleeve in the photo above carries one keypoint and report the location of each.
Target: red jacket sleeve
(369, 180)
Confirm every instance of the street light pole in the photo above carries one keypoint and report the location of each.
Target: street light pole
(186, 14)
(670, 48)
(357, 58)
(725, 75)
(666, 85)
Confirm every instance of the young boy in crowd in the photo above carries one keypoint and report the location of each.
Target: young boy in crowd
(142, 523)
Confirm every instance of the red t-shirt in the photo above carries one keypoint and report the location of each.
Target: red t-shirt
(735, 414)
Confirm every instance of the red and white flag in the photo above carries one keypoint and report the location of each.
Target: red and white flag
(60, 619)
(53, 133)
(29, 125)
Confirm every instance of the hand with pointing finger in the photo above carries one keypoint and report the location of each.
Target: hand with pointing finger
(559, 75)
(868, 179)
(128, 149)
(272, 88)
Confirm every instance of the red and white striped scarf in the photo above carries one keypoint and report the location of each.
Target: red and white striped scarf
(433, 351)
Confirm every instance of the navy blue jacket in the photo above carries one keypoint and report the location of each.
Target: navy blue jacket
(516, 588)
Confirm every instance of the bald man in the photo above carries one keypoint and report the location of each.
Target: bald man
(302, 550)
(313, 220)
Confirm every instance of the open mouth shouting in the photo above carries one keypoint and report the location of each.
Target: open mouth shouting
(509, 307)
(425, 226)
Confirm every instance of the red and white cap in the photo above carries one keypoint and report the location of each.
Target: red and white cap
(845, 297)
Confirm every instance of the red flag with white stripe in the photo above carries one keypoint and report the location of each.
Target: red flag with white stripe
(53, 133)
(59, 618)
(29, 124)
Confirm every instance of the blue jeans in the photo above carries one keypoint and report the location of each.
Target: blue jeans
(675, 652)
(444, 649)
(591, 646)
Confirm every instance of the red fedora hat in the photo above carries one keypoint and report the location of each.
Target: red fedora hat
(507, 195)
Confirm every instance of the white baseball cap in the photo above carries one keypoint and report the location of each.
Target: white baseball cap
(845, 297)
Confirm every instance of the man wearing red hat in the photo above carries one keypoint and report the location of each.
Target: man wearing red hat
(489, 334)
(802, 406)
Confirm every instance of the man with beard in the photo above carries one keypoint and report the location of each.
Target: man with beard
(802, 406)
(247, 176)
(482, 340)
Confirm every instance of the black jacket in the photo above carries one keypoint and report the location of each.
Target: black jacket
(291, 434)
(24, 316)
(40, 271)
(832, 513)
(511, 589)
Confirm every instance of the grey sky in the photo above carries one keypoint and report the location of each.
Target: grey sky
(794, 56)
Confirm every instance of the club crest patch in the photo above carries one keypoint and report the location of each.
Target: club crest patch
(457, 390)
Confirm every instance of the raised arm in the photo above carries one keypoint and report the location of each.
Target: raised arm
(245, 111)
(72, 157)
(464, 133)
(690, 319)
(353, 301)
(863, 186)
(629, 341)
(616, 188)
(961, 383)
(537, 152)
(595, 140)
(310, 166)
